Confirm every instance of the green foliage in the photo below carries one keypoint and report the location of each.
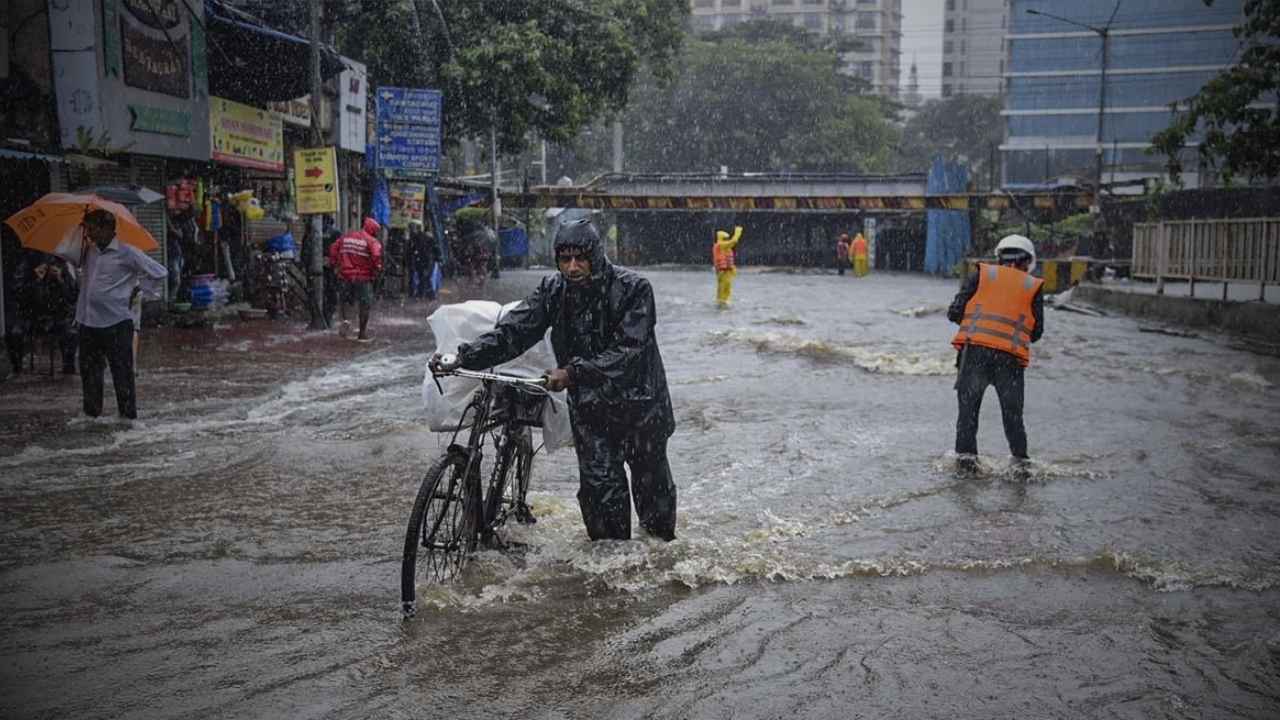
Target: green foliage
(100, 146)
(544, 67)
(1235, 137)
(472, 216)
(761, 106)
(959, 128)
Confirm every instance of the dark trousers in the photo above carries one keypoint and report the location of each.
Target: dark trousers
(111, 346)
(982, 367)
(603, 495)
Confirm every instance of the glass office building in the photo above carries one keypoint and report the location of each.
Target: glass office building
(1159, 52)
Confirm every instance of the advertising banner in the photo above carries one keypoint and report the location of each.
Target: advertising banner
(246, 136)
(407, 202)
(315, 179)
(353, 94)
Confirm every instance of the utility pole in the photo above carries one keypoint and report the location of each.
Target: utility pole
(315, 244)
(494, 169)
(617, 146)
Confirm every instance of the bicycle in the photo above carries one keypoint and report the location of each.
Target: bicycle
(452, 516)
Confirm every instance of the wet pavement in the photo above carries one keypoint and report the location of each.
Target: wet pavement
(235, 552)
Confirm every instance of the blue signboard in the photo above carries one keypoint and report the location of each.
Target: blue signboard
(408, 130)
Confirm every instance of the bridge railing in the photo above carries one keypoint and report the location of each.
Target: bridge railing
(1225, 251)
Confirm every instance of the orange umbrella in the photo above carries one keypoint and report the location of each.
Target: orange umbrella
(53, 224)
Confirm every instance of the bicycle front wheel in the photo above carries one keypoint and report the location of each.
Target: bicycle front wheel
(442, 528)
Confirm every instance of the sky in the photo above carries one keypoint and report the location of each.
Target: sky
(922, 37)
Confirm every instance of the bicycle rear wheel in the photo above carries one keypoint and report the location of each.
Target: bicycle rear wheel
(442, 528)
(510, 482)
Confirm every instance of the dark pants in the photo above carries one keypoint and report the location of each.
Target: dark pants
(841, 265)
(111, 346)
(603, 495)
(982, 367)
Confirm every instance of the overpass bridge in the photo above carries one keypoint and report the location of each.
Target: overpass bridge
(789, 218)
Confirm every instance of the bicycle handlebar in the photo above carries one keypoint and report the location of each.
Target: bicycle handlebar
(538, 382)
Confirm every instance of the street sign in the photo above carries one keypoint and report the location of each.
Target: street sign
(408, 129)
(315, 178)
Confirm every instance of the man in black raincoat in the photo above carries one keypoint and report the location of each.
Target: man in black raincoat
(602, 331)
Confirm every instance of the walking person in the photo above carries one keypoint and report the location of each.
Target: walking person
(1000, 311)
(602, 319)
(423, 257)
(357, 261)
(51, 302)
(722, 257)
(111, 272)
(842, 253)
(858, 251)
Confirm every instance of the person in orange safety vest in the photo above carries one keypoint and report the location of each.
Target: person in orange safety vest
(726, 268)
(1000, 311)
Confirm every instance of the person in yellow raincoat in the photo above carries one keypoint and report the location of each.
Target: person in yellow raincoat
(726, 268)
(858, 253)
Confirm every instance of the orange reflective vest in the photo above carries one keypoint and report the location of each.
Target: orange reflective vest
(722, 256)
(999, 314)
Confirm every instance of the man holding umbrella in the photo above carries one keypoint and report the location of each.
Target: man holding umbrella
(111, 272)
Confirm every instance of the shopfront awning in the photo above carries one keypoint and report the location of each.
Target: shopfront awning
(254, 64)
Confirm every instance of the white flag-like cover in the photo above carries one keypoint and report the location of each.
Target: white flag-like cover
(455, 324)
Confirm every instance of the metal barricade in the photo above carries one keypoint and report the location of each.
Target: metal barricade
(1225, 251)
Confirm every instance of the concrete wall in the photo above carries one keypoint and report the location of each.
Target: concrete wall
(1256, 319)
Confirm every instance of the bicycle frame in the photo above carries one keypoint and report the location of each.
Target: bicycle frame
(481, 408)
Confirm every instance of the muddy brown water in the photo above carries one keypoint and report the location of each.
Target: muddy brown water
(235, 553)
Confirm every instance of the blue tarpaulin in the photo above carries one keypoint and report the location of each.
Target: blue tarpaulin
(514, 242)
(380, 209)
(949, 234)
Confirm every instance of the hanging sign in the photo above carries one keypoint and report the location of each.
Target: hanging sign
(315, 180)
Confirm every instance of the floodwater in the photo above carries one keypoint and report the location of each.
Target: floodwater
(236, 552)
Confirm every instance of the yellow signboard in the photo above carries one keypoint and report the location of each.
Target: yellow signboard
(246, 136)
(315, 180)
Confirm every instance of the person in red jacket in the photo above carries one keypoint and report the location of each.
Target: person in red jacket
(356, 259)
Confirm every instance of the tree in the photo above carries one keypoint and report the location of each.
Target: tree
(1234, 115)
(546, 67)
(765, 106)
(960, 128)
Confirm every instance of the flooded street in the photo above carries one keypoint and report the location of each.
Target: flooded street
(236, 552)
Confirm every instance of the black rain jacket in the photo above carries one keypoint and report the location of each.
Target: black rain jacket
(603, 333)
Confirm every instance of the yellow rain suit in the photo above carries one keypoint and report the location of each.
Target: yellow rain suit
(726, 268)
(858, 253)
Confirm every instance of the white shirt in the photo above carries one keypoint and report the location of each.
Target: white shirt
(107, 280)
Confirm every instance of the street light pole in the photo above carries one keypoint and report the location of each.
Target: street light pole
(1104, 33)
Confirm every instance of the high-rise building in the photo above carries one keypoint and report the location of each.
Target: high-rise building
(973, 53)
(876, 23)
(1061, 119)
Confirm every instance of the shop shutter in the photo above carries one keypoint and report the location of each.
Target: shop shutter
(148, 171)
(260, 231)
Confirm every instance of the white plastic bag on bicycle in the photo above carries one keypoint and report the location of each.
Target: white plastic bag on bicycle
(455, 324)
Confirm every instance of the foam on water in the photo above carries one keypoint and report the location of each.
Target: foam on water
(871, 359)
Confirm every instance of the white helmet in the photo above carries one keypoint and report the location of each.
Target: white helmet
(1012, 246)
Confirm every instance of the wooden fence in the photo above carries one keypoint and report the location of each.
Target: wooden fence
(1225, 251)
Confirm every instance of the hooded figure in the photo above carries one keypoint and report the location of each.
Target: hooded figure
(357, 261)
(726, 266)
(602, 331)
